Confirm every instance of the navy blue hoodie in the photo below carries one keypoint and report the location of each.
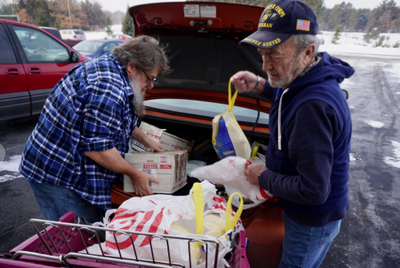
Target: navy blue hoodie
(308, 156)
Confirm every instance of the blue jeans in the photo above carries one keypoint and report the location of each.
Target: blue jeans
(306, 246)
(54, 201)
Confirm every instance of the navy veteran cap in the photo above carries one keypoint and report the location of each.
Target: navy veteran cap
(279, 21)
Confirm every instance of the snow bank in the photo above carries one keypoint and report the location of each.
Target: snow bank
(117, 29)
(354, 43)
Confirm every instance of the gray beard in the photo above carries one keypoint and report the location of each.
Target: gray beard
(294, 71)
(138, 96)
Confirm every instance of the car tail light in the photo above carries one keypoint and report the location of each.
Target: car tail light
(74, 36)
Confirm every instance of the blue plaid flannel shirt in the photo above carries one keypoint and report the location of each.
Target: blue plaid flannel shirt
(90, 109)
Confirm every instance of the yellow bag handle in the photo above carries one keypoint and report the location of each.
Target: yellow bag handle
(229, 222)
(231, 100)
(254, 152)
(198, 199)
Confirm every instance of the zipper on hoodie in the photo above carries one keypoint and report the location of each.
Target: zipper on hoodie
(279, 117)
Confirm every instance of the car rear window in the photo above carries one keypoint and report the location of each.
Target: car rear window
(78, 32)
(54, 32)
(88, 46)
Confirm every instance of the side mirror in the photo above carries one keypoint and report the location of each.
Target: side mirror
(74, 57)
(345, 93)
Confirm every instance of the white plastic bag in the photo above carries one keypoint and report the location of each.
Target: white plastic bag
(227, 137)
(230, 172)
(155, 214)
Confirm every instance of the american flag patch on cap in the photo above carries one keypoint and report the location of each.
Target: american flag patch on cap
(303, 25)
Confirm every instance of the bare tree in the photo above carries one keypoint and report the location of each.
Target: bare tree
(78, 19)
(385, 20)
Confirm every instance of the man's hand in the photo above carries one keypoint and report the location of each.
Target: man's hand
(146, 141)
(244, 81)
(253, 171)
(141, 182)
(112, 159)
(151, 144)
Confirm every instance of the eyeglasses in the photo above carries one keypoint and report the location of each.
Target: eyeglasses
(149, 79)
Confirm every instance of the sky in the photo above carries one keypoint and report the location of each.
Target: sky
(122, 4)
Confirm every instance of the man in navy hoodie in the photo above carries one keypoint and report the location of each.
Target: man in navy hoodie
(307, 160)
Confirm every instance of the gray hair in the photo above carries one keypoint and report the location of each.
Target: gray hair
(301, 41)
(145, 52)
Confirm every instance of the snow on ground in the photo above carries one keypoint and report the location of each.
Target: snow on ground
(116, 29)
(375, 124)
(11, 166)
(394, 161)
(353, 43)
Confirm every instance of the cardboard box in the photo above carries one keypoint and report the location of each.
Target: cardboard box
(169, 141)
(169, 167)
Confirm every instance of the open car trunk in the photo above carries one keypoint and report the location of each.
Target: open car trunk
(202, 41)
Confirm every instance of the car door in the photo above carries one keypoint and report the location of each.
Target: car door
(14, 96)
(44, 60)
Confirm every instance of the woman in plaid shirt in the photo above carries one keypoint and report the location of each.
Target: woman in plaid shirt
(76, 151)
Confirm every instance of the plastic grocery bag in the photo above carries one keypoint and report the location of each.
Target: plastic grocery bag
(230, 172)
(172, 215)
(227, 137)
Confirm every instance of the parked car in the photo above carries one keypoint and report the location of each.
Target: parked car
(53, 31)
(72, 34)
(32, 62)
(203, 47)
(118, 37)
(94, 48)
(56, 33)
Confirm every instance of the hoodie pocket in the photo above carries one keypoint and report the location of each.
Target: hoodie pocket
(272, 164)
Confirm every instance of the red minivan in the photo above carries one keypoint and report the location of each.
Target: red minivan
(31, 63)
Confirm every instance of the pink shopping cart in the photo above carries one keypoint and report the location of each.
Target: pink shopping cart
(65, 243)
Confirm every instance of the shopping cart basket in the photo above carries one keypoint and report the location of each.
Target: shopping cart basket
(65, 243)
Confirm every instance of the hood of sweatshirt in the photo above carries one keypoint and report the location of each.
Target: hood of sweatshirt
(328, 67)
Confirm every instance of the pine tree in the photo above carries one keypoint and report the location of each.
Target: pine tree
(43, 19)
(57, 23)
(336, 36)
(127, 24)
(108, 25)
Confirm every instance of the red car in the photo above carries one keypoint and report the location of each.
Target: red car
(32, 62)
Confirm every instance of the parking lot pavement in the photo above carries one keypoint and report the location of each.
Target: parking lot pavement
(17, 203)
(370, 234)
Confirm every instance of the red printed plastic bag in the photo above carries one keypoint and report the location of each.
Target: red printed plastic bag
(162, 214)
(230, 172)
